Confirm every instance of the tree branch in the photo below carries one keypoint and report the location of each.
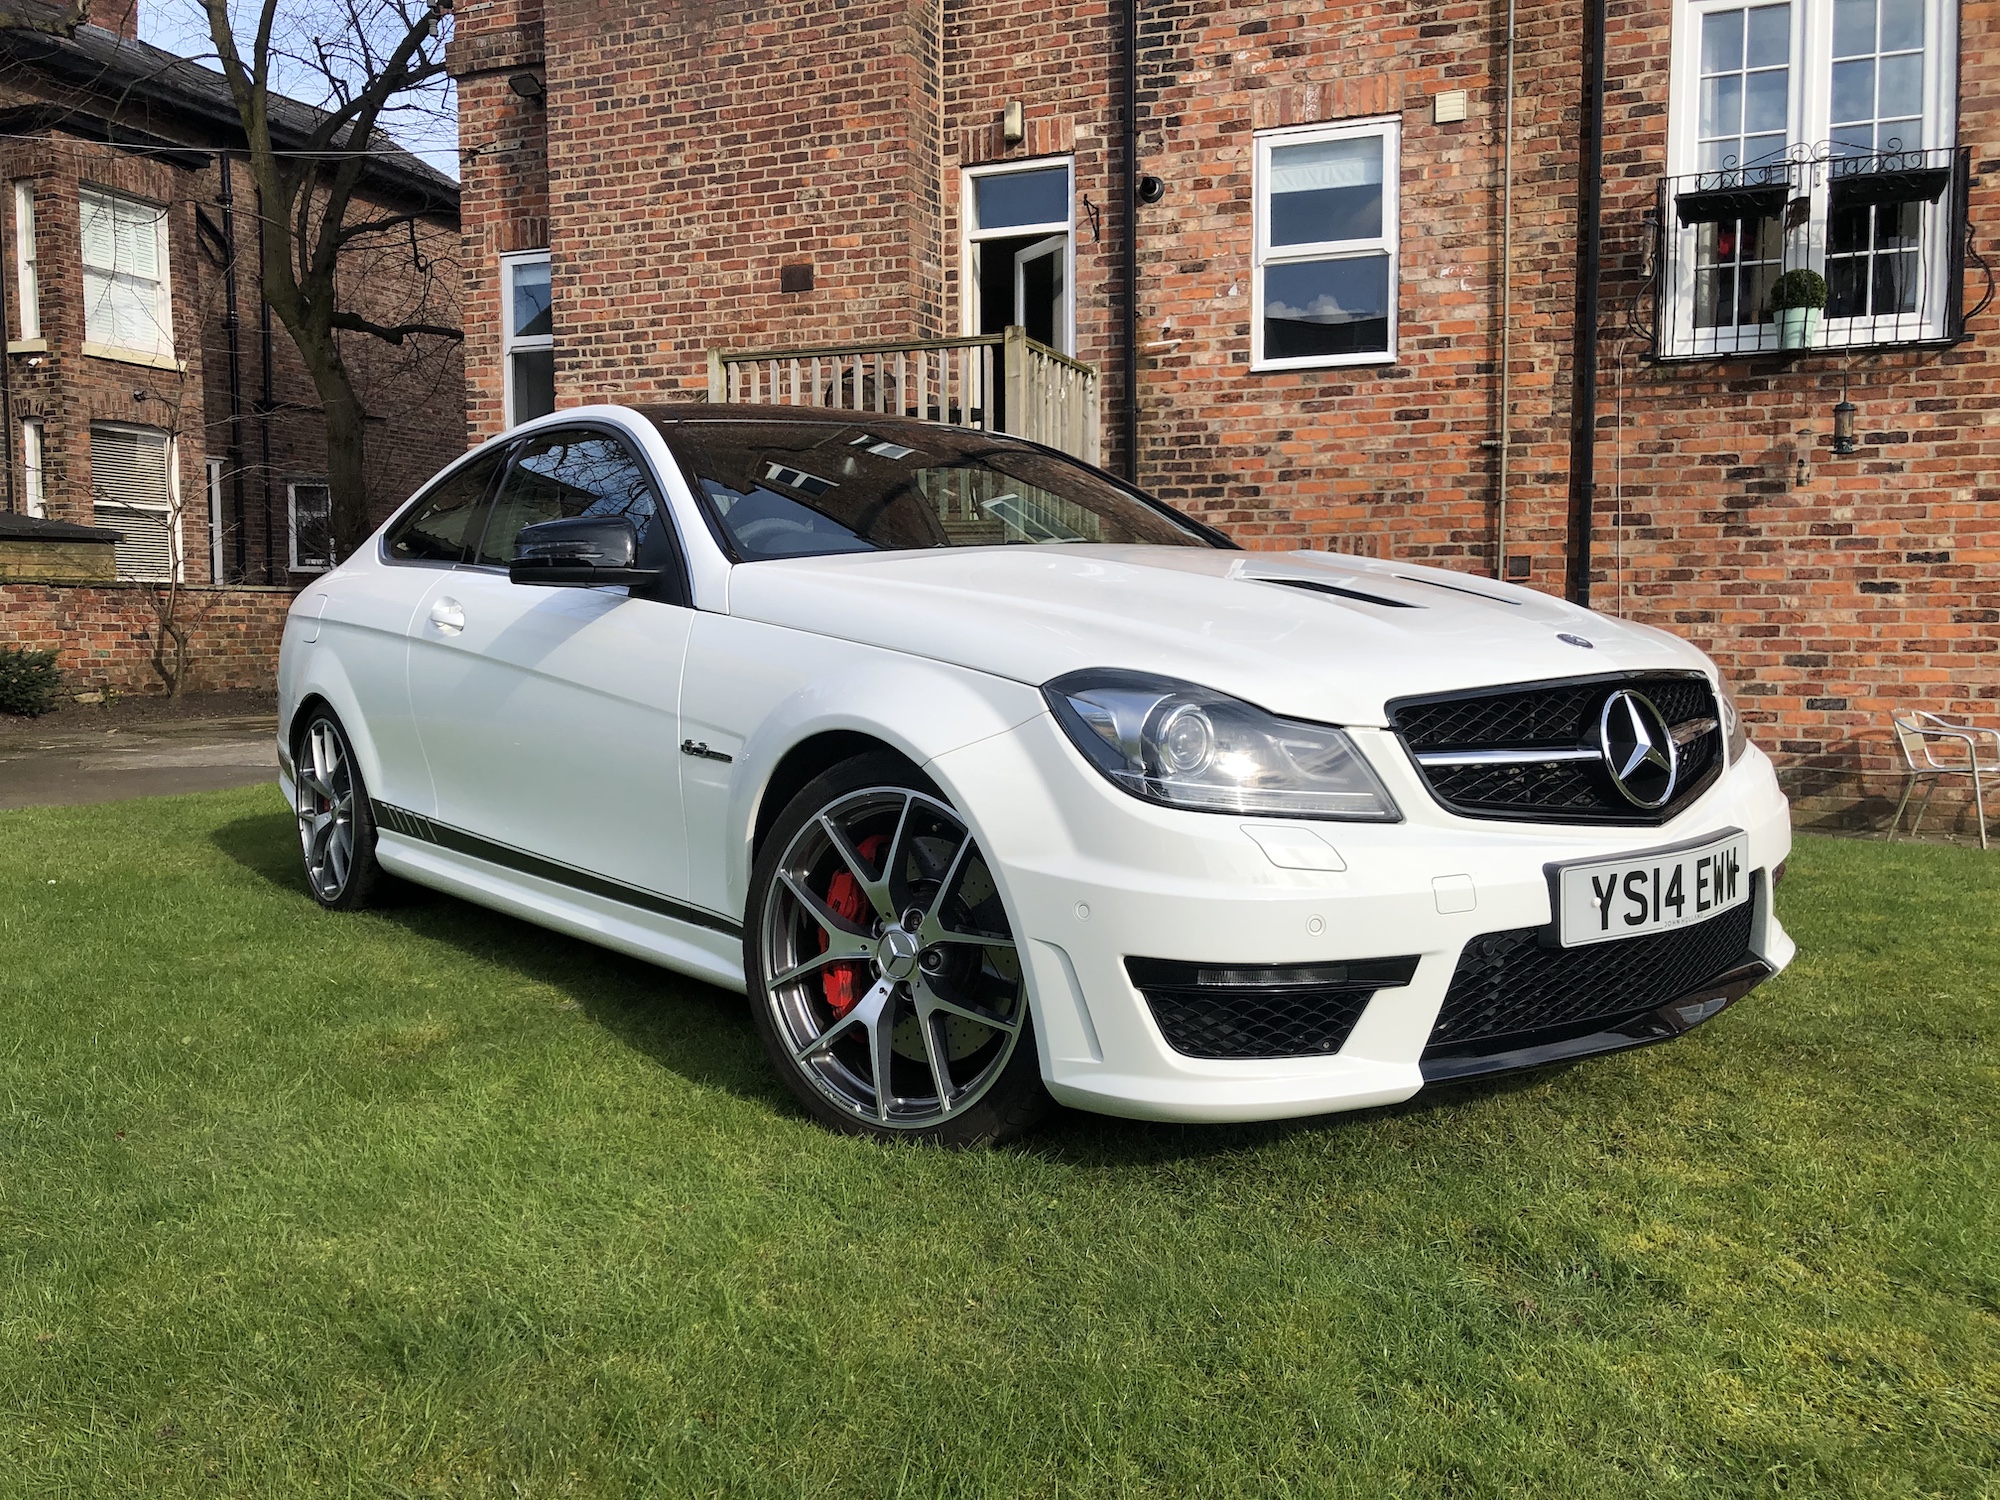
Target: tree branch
(63, 23)
(393, 333)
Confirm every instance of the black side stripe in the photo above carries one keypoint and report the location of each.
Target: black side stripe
(417, 826)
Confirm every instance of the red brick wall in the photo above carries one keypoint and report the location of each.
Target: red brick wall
(691, 149)
(105, 634)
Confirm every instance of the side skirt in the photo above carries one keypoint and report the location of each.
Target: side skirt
(688, 939)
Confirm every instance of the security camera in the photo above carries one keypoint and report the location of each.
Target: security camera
(1151, 189)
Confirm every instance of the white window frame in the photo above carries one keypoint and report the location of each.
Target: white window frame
(296, 563)
(34, 491)
(1809, 123)
(1390, 129)
(213, 483)
(160, 353)
(968, 290)
(510, 344)
(27, 291)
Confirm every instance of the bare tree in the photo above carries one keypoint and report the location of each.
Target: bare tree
(372, 59)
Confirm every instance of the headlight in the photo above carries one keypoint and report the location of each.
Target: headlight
(1185, 746)
(1735, 732)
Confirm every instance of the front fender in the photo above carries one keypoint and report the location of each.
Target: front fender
(755, 692)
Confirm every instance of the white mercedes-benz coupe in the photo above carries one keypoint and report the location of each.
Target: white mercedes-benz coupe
(993, 781)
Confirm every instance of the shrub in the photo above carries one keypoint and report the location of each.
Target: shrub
(1800, 288)
(28, 681)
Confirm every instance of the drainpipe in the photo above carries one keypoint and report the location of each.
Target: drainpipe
(264, 406)
(1506, 438)
(232, 326)
(1128, 20)
(1583, 399)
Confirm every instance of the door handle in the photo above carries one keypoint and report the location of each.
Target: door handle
(448, 615)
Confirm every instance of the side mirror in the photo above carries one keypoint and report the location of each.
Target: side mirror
(579, 552)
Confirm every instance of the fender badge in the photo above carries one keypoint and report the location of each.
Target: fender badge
(1575, 640)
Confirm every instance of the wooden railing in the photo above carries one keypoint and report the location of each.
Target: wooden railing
(998, 382)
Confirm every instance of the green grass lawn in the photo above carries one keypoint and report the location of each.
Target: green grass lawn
(429, 1202)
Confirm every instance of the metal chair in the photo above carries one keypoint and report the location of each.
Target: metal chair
(1919, 736)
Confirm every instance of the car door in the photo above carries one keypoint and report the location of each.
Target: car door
(365, 619)
(549, 716)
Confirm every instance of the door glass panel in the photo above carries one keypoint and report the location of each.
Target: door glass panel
(533, 317)
(557, 475)
(1745, 91)
(447, 519)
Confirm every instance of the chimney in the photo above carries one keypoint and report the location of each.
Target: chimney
(120, 17)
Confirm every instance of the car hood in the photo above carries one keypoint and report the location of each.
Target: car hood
(1263, 626)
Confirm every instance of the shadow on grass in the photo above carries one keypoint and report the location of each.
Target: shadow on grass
(698, 1031)
(705, 1034)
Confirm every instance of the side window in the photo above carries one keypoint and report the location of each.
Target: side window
(563, 474)
(446, 521)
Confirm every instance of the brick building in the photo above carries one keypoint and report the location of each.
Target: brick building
(1333, 276)
(147, 390)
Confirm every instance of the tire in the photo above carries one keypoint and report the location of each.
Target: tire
(336, 819)
(898, 1008)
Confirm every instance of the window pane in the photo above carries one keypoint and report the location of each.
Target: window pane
(1006, 199)
(534, 393)
(532, 318)
(1722, 41)
(1902, 24)
(312, 525)
(1722, 105)
(561, 475)
(1327, 190)
(447, 519)
(1327, 307)
(1770, 40)
(1901, 88)
(1853, 27)
(1764, 101)
(1854, 91)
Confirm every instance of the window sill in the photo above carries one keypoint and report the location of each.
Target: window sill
(146, 357)
(1331, 362)
(27, 346)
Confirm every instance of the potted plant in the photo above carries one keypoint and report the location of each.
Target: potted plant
(1797, 298)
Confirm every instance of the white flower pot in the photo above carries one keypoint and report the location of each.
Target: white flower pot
(1798, 327)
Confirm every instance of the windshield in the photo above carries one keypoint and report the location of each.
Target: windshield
(803, 489)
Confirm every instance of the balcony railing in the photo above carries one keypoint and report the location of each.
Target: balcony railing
(1887, 230)
(998, 382)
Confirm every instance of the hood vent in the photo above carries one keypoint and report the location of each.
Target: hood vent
(1343, 593)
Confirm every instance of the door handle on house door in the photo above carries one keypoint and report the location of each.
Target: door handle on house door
(448, 616)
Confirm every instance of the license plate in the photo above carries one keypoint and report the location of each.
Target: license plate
(1602, 900)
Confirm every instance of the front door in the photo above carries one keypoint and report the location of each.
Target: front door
(1041, 293)
(549, 716)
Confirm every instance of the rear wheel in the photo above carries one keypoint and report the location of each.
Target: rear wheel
(884, 976)
(336, 820)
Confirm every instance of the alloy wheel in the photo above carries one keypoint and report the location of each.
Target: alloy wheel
(324, 799)
(892, 974)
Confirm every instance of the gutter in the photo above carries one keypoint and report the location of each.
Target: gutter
(1583, 398)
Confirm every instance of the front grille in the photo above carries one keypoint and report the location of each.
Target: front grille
(1261, 1010)
(1510, 992)
(1560, 719)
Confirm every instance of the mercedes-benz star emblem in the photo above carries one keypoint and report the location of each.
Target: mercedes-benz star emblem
(1639, 749)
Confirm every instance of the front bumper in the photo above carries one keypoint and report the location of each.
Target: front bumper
(1095, 877)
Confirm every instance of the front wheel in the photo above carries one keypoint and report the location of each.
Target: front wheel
(336, 820)
(884, 976)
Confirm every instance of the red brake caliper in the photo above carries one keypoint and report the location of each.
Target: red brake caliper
(844, 900)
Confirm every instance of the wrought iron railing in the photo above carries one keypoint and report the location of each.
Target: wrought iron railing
(1887, 230)
(999, 382)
